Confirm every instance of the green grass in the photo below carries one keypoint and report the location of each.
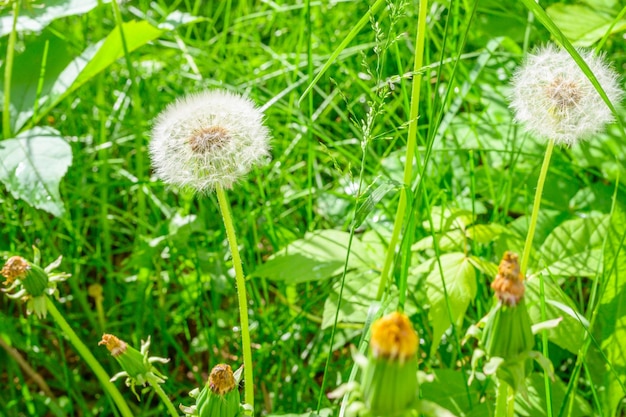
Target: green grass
(161, 254)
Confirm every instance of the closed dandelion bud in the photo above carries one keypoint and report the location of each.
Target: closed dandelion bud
(137, 365)
(209, 139)
(31, 282)
(389, 381)
(508, 332)
(219, 397)
(33, 278)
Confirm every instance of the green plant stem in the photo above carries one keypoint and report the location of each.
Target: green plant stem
(93, 363)
(536, 204)
(510, 401)
(501, 400)
(168, 404)
(8, 70)
(241, 295)
(411, 144)
(526, 256)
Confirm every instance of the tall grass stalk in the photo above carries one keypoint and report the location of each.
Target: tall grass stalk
(411, 145)
(241, 295)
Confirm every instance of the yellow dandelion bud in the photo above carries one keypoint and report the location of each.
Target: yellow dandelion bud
(219, 397)
(389, 381)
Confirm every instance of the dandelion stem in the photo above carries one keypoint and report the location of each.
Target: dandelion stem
(410, 148)
(536, 204)
(526, 256)
(241, 294)
(8, 70)
(159, 391)
(93, 363)
(501, 400)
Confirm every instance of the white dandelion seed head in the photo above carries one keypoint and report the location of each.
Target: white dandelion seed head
(552, 98)
(208, 139)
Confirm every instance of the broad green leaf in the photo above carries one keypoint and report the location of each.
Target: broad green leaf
(449, 389)
(485, 233)
(366, 207)
(319, 255)
(358, 294)
(32, 166)
(574, 247)
(535, 404)
(460, 283)
(453, 240)
(570, 331)
(36, 16)
(99, 56)
(612, 312)
(449, 218)
(24, 83)
(582, 24)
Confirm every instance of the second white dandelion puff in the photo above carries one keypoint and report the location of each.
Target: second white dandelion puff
(554, 99)
(208, 139)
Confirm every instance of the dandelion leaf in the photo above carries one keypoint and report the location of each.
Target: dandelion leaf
(32, 166)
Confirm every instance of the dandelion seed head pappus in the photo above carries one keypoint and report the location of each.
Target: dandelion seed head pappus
(553, 99)
(208, 139)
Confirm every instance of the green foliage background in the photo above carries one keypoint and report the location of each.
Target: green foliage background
(77, 182)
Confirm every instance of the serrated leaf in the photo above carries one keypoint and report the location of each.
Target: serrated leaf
(574, 247)
(32, 166)
(319, 255)
(460, 282)
(569, 333)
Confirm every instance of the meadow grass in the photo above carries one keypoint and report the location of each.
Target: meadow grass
(161, 254)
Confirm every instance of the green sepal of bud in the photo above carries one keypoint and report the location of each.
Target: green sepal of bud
(36, 280)
(389, 386)
(508, 331)
(133, 363)
(508, 340)
(210, 404)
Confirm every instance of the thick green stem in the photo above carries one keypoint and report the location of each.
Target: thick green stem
(168, 404)
(93, 363)
(526, 256)
(510, 401)
(241, 295)
(410, 147)
(536, 204)
(8, 70)
(501, 399)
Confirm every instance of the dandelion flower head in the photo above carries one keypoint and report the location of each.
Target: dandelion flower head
(554, 99)
(208, 139)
